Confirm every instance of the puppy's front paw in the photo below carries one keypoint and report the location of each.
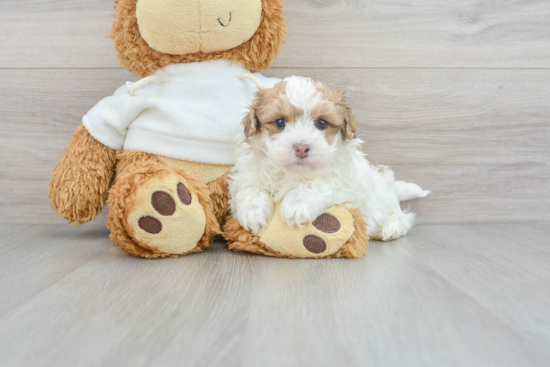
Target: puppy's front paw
(254, 216)
(299, 210)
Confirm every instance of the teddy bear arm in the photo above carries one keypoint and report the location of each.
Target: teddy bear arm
(82, 178)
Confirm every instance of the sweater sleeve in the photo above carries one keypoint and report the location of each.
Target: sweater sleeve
(108, 120)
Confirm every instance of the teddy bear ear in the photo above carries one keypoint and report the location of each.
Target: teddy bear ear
(264, 47)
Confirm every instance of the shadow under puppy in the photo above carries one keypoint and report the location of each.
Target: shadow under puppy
(300, 148)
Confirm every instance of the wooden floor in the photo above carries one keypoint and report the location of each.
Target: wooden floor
(454, 95)
(446, 295)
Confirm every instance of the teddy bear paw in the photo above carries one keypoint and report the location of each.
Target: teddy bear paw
(166, 216)
(338, 232)
(322, 237)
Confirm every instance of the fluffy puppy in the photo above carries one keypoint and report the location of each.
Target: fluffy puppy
(300, 146)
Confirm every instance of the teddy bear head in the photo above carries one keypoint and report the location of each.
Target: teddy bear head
(151, 34)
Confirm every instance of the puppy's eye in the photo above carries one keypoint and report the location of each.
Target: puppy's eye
(280, 123)
(322, 124)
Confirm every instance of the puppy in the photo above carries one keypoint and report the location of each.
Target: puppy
(300, 146)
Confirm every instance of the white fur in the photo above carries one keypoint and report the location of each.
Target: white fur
(267, 171)
(408, 191)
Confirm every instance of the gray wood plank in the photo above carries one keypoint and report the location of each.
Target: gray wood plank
(437, 297)
(477, 138)
(35, 258)
(349, 33)
(503, 267)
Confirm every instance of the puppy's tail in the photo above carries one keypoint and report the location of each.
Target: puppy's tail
(408, 191)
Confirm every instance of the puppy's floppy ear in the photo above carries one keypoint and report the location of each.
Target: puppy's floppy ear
(251, 123)
(350, 126)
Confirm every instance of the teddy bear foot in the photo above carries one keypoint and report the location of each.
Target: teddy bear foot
(155, 212)
(337, 233)
(166, 217)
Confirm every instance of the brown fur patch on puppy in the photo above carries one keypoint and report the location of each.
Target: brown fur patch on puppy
(251, 123)
(328, 111)
(81, 180)
(138, 57)
(349, 126)
(268, 106)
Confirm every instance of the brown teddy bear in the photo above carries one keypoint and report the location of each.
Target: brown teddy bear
(158, 151)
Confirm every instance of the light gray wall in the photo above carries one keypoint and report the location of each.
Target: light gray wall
(454, 95)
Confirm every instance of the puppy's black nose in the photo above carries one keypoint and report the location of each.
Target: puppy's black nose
(301, 150)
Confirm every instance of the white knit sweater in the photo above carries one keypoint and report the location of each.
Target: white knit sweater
(195, 115)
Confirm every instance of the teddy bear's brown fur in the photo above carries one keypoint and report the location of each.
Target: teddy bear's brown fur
(81, 180)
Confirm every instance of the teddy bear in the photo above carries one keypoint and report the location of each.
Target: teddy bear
(159, 151)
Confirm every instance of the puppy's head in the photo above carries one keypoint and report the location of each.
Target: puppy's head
(299, 124)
